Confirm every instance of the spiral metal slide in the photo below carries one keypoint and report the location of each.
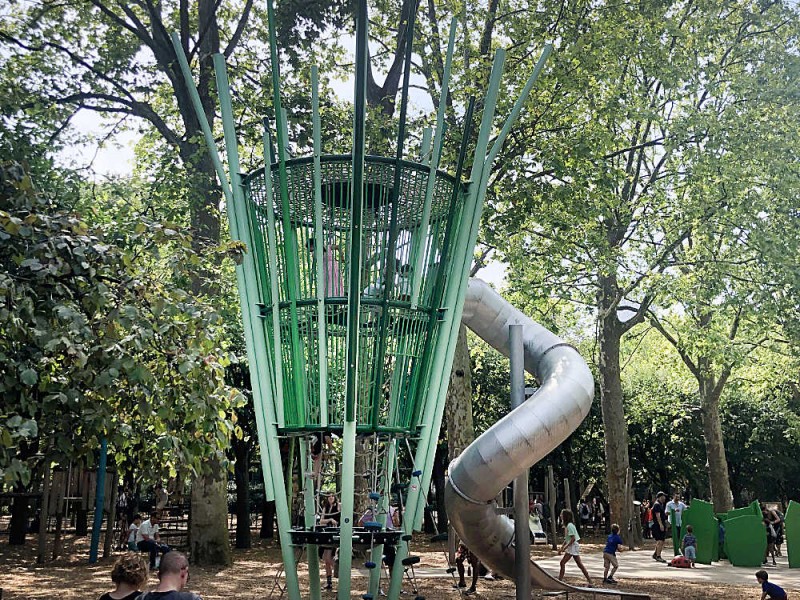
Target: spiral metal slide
(520, 439)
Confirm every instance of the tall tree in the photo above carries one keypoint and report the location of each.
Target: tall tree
(97, 342)
(603, 210)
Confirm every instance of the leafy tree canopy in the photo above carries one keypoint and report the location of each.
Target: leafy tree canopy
(98, 338)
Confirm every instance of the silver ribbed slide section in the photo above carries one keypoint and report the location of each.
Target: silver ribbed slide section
(521, 438)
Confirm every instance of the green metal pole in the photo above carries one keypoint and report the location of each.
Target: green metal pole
(453, 294)
(383, 509)
(254, 333)
(480, 172)
(290, 249)
(380, 354)
(422, 231)
(425, 148)
(356, 211)
(478, 192)
(319, 234)
(272, 258)
(346, 524)
(211, 144)
(226, 188)
(354, 306)
(439, 285)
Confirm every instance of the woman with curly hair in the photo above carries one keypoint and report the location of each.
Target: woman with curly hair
(129, 573)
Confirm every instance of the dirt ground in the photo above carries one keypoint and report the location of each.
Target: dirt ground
(253, 577)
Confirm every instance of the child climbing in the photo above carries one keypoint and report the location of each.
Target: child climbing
(571, 546)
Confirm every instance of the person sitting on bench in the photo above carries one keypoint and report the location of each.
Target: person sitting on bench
(148, 539)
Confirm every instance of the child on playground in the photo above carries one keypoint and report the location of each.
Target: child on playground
(613, 545)
(571, 546)
(132, 530)
(464, 555)
(770, 590)
(689, 546)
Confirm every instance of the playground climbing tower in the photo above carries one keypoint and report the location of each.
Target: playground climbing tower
(351, 290)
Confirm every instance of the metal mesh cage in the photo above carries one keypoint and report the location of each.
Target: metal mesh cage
(404, 242)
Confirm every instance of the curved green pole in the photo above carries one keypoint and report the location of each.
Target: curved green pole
(211, 145)
(254, 332)
(480, 173)
(389, 263)
(289, 241)
(272, 258)
(430, 426)
(422, 231)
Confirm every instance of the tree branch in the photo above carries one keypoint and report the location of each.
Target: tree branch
(239, 29)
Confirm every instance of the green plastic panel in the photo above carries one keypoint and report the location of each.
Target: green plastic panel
(388, 318)
(792, 534)
(705, 526)
(745, 540)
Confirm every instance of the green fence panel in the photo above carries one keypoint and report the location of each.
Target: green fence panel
(745, 540)
(705, 526)
(791, 529)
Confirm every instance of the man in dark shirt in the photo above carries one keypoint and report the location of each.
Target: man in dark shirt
(659, 525)
(173, 575)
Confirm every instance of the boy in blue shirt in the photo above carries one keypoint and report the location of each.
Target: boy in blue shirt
(689, 546)
(770, 590)
(613, 545)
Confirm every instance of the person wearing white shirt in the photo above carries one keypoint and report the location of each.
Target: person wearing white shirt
(675, 510)
(148, 539)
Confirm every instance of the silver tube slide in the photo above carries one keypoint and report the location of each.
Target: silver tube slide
(518, 440)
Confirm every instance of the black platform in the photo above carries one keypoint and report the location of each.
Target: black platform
(330, 536)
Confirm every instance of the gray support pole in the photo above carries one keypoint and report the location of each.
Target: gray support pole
(568, 498)
(551, 502)
(522, 548)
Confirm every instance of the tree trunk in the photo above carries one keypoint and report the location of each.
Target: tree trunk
(458, 410)
(19, 517)
(242, 474)
(81, 522)
(267, 520)
(721, 495)
(363, 483)
(209, 540)
(616, 432)
(439, 469)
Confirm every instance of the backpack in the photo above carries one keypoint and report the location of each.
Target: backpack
(681, 562)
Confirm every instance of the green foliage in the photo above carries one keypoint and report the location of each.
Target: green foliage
(97, 339)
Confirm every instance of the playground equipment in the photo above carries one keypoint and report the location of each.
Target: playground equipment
(521, 438)
(745, 536)
(700, 515)
(352, 288)
(792, 532)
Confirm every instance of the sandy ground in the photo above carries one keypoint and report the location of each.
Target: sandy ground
(253, 576)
